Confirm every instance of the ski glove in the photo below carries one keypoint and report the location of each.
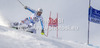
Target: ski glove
(25, 7)
(42, 32)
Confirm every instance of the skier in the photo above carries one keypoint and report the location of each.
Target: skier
(36, 17)
(30, 21)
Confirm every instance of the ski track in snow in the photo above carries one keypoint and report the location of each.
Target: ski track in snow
(11, 38)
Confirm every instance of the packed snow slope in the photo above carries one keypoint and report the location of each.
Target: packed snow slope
(11, 38)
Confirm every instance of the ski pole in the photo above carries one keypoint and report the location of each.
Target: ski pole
(21, 3)
(45, 35)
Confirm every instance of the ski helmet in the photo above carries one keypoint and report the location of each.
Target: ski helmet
(39, 10)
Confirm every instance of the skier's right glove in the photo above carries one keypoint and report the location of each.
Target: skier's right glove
(42, 32)
(25, 7)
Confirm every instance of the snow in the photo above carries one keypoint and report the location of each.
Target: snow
(3, 21)
(11, 38)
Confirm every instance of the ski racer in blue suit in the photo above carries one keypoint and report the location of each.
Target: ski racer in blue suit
(30, 21)
(36, 17)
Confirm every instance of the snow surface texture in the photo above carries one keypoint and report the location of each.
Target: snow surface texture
(11, 38)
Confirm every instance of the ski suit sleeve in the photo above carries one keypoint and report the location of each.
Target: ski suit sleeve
(31, 10)
(42, 25)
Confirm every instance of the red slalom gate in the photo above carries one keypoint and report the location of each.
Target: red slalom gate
(53, 23)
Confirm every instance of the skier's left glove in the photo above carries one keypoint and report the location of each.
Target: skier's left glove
(25, 7)
(42, 32)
